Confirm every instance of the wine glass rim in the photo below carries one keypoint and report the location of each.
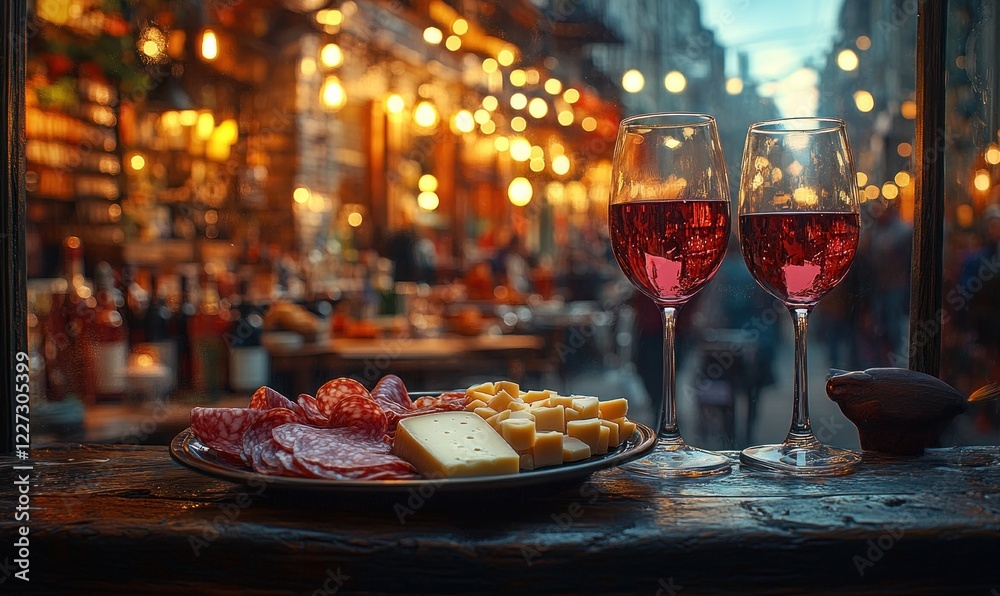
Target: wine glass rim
(798, 125)
(668, 120)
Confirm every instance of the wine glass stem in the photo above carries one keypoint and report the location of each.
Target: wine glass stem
(800, 429)
(667, 423)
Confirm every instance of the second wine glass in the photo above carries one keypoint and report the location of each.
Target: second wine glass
(669, 226)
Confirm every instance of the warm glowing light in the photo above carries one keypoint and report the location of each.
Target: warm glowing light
(518, 101)
(463, 121)
(565, 117)
(354, 219)
(847, 60)
(908, 109)
(518, 78)
(331, 17)
(425, 114)
(137, 162)
(307, 67)
(501, 144)
(538, 108)
(518, 124)
(205, 125)
(864, 101)
(331, 56)
(674, 82)
(490, 103)
(427, 183)
(734, 86)
(144, 360)
(904, 149)
(73, 242)
(589, 124)
(553, 86)
(965, 215)
(902, 179)
(871, 191)
(537, 152)
(571, 95)
(209, 45)
(890, 190)
(520, 149)
(460, 27)
(428, 201)
(453, 43)
(519, 192)
(863, 42)
(805, 196)
(537, 165)
(533, 76)
(151, 48)
(982, 180)
(170, 120)
(490, 66)
(188, 118)
(394, 104)
(488, 127)
(333, 94)
(672, 143)
(992, 155)
(433, 35)
(560, 165)
(505, 57)
(481, 116)
(862, 179)
(633, 81)
(301, 195)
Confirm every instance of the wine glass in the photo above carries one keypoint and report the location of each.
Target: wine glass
(669, 227)
(799, 222)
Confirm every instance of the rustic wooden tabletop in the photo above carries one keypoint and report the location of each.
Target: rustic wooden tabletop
(112, 519)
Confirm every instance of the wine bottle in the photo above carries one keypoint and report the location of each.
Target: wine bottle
(206, 330)
(157, 324)
(106, 340)
(249, 367)
(63, 341)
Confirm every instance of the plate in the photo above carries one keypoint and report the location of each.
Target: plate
(190, 451)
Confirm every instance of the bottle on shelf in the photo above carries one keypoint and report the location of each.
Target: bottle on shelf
(249, 366)
(63, 341)
(106, 340)
(182, 316)
(206, 330)
(157, 326)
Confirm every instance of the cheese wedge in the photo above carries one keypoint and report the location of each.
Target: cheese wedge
(613, 408)
(454, 445)
(474, 404)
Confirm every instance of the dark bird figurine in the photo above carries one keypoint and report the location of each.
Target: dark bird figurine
(897, 410)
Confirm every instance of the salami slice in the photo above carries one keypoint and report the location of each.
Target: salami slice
(222, 428)
(344, 452)
(361, 414)
(259, 434)
(335, 390)
(310, 410)
(391, 394)
(266, 398)
(441, 403)
(286, 434)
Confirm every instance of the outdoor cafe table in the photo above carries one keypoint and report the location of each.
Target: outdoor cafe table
(117, 519)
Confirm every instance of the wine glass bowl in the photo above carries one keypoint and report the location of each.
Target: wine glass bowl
(799, 224)
(669, 224)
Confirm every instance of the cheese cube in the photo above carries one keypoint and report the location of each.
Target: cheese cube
(625, 428)
(531, 397)
(521, 415)
(614, 408)
(474, 404)
(548, 449)
(613, 440)
(485, 413)
(542, 403)
(517, 405)
(527, 461)
(501, 416)
(492, 421)
(573, 414)
(502, 400)
(471, 396)
(453, 445)
(574, 449)
(518, 432)
(487, 388)
(587, 406)
(547, 419)
(508, 386)
(561, 400)
(588, 431)
(602, 441)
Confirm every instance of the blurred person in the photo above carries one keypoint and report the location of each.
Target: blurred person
(511, 263)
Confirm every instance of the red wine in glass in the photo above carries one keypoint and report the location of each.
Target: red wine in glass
(669, 249)
(799, 256)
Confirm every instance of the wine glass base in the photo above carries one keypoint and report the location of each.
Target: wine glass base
(796, 459)
(676, 459)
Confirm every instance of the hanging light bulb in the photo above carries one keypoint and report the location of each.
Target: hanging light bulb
(209, 45)
(463, 121)
(333, 94)
(519, 192)
(425, 115)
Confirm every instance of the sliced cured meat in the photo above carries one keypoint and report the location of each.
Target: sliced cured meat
(286, 434)
(344, 452)
(442, 403)
(333, 391)
(222, 428)
(361, 414)
(259, 433)
(266, 398)
(391, 394)
(310, 410)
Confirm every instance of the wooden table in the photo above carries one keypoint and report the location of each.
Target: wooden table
(129, 519)
(416, 359)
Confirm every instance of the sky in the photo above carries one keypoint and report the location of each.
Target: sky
(781, 37)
